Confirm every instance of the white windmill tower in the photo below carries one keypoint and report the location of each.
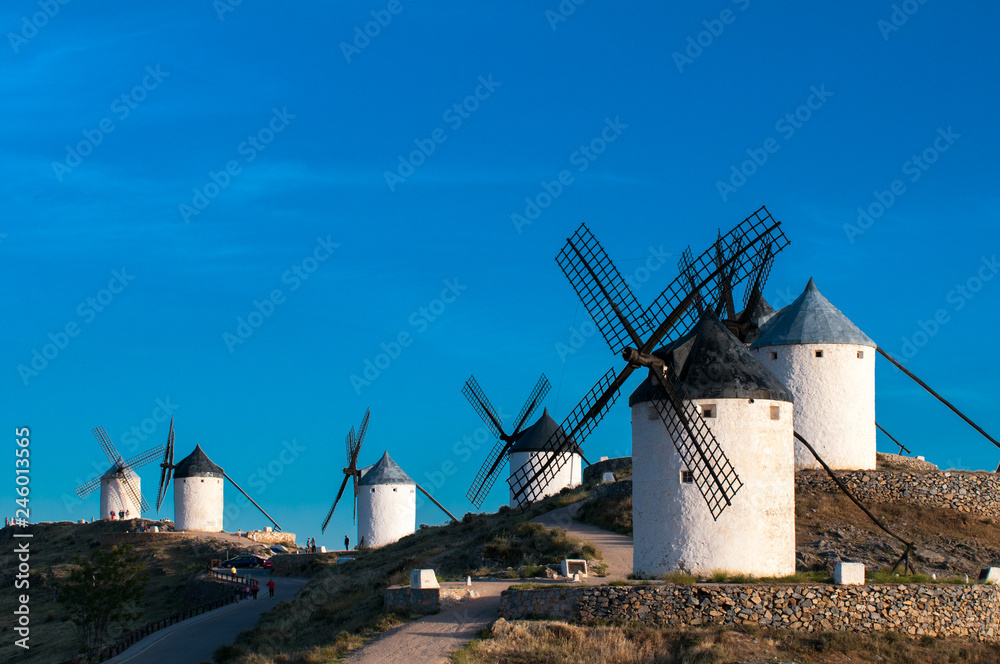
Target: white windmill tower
(199, 503)
(121, 488)
(385, 500)
(829, 366)
(737, 411)
(523, 447)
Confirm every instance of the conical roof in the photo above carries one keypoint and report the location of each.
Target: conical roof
(533, 438)
(197, 464)
(385, 471)
(811, 319)
(711, 363)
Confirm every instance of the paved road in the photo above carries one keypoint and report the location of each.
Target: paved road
(195, 639)
(430, 640)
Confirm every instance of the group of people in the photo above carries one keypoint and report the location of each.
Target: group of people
(245, 592)
(122, 515)
(310, 545)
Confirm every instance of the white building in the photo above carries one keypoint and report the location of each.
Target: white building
(750, 414)
(115, 495)
(198, 491)
(387, 503)
(530, 449)
(829, 366)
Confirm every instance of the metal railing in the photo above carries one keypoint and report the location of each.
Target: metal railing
(143, 631)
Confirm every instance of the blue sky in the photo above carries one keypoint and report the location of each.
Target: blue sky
(218, 155)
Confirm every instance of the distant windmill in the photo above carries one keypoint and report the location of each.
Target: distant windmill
(198, 489)
(351, 472)
(385, 502)
(489, 471)
(120, 484)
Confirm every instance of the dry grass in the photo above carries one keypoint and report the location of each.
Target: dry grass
(341, 607)
(613, 513)
(555, 642)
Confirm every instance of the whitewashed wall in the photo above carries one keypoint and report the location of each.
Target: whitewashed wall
(115, 496)
(834, 401)
(198, 504)
(570, 475)
(386, 512)
(672, 525)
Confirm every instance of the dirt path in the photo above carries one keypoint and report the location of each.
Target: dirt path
(195, 639)
(430, 640)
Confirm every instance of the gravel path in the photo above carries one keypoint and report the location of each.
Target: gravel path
(430, 640)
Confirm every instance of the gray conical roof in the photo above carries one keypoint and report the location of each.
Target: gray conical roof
(197, 464)
(533, 438)
(811, 319)
(385, 471)
(711, 363)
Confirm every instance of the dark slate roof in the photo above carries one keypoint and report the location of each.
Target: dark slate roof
(386, 471)
(711, 363)
(197, 464)
(811, 319)
(534, 437)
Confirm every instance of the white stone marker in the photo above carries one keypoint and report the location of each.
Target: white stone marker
(423, 578)
(571, 566)
(849, 574)
(990, 575)
(607, 478)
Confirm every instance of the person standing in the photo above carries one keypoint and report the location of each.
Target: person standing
(255, 588)
(270, 588)
(347, 543)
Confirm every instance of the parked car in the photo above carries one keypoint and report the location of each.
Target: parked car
(247, 560)
(267, 563)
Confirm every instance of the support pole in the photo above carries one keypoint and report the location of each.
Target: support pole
(901, 448)
(252, 501)
(424, 491)
(938, 396)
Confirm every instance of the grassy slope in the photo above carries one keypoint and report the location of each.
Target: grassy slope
(172, 565)
(342, 605)
(552, 642)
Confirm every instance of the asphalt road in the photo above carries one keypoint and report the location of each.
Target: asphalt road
(194, 640)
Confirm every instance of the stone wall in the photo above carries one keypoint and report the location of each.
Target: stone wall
(594, 471)
(971, 611)
(273, 537)
(965, 491)
(900, 462)
(424, 601)
(618, 489)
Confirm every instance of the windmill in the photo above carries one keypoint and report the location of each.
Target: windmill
(490, 470)
(705, 285)
(385, 501)
(351, 472)
(120, 485)
(198, 489)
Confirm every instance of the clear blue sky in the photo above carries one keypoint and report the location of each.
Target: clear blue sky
(119, 119)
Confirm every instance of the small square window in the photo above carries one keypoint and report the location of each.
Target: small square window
(775, 412)
(819, 353)
(708, 410)
(687, 477)
(774, 354)
(861, 354)
(651, 413)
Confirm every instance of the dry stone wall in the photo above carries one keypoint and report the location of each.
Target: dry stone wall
(965, 491)
(970, 611)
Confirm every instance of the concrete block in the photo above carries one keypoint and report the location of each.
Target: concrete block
(990, 575)
(607, 478)
(849, 574)
(421, 579)
(603, 459)
(571, 566)
(322, 549)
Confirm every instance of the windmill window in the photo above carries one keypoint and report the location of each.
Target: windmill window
(373, 489)
(861, 354)
(775, 412)
(687, 477)
(394, 489)
(651, 413)
(774, 354)
(819, 353)
(203, 481)
(708, 410)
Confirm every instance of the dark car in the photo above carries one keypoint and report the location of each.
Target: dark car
(246, 561)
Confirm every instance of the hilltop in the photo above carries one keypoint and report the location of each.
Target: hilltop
(175, 565)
